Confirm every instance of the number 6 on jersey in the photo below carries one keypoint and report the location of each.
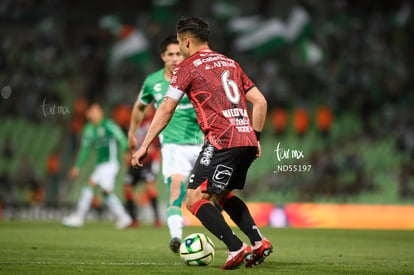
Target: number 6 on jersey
(227, 83)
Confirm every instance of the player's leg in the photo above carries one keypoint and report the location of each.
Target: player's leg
(176, 193)
(238, 211)
(130, 205)
(219, 171)
(152, 193)
(83, 206)
(241, 216)
(130, 180)
(211, 175)
(150, 172)
(106, 181)
(115, 206)
(176, 165)
(199, 204)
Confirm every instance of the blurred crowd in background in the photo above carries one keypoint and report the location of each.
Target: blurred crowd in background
(317, 62)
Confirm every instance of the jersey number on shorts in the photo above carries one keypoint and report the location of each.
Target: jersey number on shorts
(234, 96)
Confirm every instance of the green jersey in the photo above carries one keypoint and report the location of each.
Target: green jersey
(103, 138)
(183, 127)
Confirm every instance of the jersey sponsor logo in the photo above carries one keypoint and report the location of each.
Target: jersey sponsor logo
(220, 64)
(207, 155)
(217, 60)
(239, 122)
(197, 62)
(205, 161)
(191, 179)
(213, 58)
(222, 175)
(157, 87)
(244, 129)
(235, 112)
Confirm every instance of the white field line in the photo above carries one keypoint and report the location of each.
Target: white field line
(102, 263)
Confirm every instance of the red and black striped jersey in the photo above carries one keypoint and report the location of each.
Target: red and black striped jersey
(216, 86)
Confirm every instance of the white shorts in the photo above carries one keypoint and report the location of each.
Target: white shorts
(178, 159)
(104, 175)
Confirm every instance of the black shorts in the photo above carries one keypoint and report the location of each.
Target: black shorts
(142, 174)
(219, 170)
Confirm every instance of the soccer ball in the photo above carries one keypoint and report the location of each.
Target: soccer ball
(197, 249)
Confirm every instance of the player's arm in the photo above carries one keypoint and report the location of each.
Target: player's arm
(82, 155)
(136, 118)
(256, 98)
(259, 110)
(161, 119)
(144, 98)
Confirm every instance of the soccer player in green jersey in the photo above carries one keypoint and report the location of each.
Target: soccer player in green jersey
(103, 135)
(181, 140)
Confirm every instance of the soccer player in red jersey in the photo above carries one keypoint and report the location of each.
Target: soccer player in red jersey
(219, 91)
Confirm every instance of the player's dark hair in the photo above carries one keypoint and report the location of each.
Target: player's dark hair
(171, 39)
(96, 100)
(194, 25)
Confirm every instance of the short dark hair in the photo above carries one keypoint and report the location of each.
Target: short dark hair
(96, 100)
(194, 25)
(171, 39)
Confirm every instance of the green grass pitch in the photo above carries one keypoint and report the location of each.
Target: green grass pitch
(98, 248)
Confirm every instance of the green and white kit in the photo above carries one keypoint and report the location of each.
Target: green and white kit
(181, 143)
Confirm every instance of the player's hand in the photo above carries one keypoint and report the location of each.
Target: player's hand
(138, 157)
(259, 151)
(132, 142)
(74, 172)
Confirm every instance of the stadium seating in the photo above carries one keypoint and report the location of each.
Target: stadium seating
(31, 140)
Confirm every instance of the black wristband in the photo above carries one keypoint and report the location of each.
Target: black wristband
(257, 134)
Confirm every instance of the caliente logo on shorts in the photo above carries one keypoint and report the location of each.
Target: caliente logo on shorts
(222, 175)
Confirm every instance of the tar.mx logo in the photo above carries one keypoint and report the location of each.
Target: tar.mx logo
(286, 154)
(282, 153)
(53, 109)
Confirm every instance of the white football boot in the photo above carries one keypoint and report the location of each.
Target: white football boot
(123, 222)
(73, 221)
